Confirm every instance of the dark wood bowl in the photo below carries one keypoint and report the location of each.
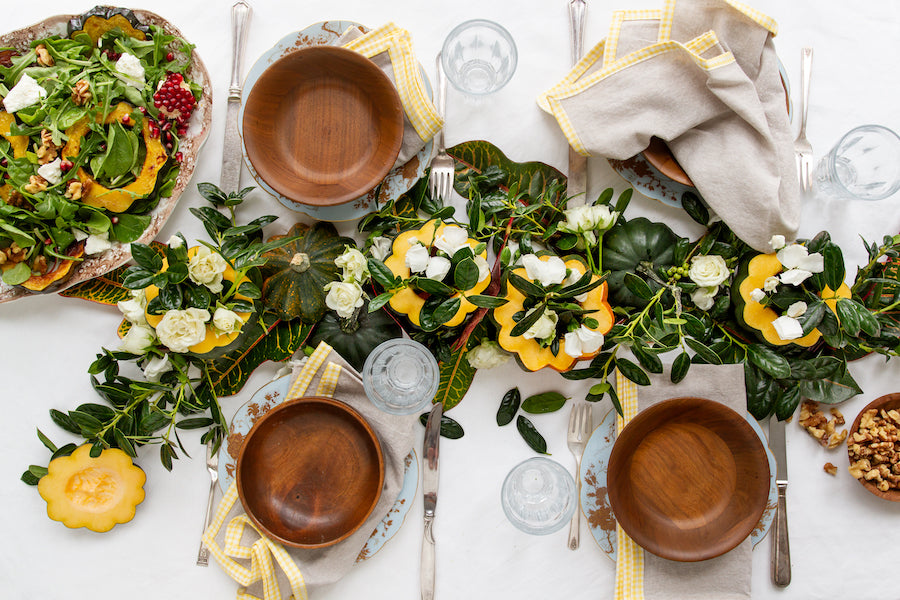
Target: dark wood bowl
(310, 472)
(688, 479)
(886, 402)
(323, 125)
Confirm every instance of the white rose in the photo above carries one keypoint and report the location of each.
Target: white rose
(354, 265)
(702, 297)
(708, 270)
(206, 268)
(582, 341)
(138, 340)
(437, 268)
(175, 242)
(381, 247)
(757, 295)
(133, 311)
(796, 256)
(544, 327)
(487, 355)
(452, 238)
(181, 329)
(484, 271)
(787, 328)
(226, 321)
(796, 309)
(578, 219)
(417, 258)
(602, 217)
(771, 283)
(344, 298)
(156, 367)
(546, 272)
(777, 242)
(794, 276)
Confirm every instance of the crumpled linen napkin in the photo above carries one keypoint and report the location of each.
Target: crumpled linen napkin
(249, 557)
(391, 49)
(703, 76)
(642, 575)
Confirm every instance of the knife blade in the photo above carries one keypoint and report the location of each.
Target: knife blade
(232, 159)
(781, 547)
(430, 488)
(577, 177)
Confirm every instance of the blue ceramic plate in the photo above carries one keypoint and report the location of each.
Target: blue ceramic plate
(272, 394)
(595, 501)
(399, 180)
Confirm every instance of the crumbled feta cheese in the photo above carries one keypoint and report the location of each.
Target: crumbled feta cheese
(132, 70)
(51, 171)
(79, 234)
(97, 243)
(24, 94)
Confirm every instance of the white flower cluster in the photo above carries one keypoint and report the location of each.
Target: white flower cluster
(588, 221)
(708, 271)
(347, 295)
(451, 240)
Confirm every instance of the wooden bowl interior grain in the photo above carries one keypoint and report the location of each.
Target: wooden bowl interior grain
(688, 479)
(310, 472)
(323, 125)
(886, 402)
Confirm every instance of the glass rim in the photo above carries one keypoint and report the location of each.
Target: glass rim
(381, 402)
(500, 29)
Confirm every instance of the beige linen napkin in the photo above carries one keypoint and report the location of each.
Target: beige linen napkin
(390, 48)
(643, 575)
(708, 84)
(250, 558)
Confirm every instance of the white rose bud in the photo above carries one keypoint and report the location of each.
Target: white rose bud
(417, 258)
(487, 355)
(796, 309)
(354, 265)
(544, 327)
(787, 328)
(381, 247)
(206, 268)
(226, 321)
(484, 271)
(582, 341)
(703, 297)
(155, 368)
(181, 329)
(708, 270)
(175, 242)
(133, 311)
(437, 268)
(344, 298)
(602, 217)
(757, 295)
(452, 238)
(578, 219)
(771, 283)
(138, 340)
(546, 272)
(777, 242)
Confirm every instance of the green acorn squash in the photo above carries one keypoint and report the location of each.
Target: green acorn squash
(96, 493)
(101, 19)
(630, 244)
(355, 339)
(295, 275)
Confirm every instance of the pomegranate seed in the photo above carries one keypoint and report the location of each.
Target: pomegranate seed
(167, 137)
(65, 165)
(102, 147)
(179, 156)
(157, 103)
(166, 126)
(114, 220)
(48, 241)
(182, 130)
(3, 162)
(169, 145)
(143, 109)
(170, 56)
(154, 133)
(126, 119)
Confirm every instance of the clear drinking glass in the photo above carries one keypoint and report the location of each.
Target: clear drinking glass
(401, 376)
(479, 57)
(538, 496)
(863, 165)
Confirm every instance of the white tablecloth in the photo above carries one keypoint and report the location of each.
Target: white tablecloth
(843, 539)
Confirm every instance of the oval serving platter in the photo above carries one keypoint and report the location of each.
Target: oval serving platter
(398, 181)
(274, 393)
(595, 500)
(190, 146)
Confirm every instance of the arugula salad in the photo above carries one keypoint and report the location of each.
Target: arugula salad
(89, 143)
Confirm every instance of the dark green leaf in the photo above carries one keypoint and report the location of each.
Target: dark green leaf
(527, 321)
(381, 274)
(769, 361)
(632, 371)
(450, 428)
(64, 421)
(761, 392)
(434, 287)
(848, 316)
(194, 423)
(379, 301)
(703, 351)
(509, 405)
(483, 301)
(146, 257)
(834, 266)
(526, 287)
(46, 441)
(638, 286)
(786, 402)
(465, 274)
(695, 208)
(648, 360)
(124, 443)
(546, 402)
(531, 435)
(680, 367)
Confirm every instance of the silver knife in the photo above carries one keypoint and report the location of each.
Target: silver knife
(781, 547)
(232, 160)
(577, 178)
(430, 488)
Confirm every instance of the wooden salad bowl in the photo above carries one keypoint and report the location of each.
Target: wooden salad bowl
(886, 403)
(323, 125)
(310, 472)
(688, 479)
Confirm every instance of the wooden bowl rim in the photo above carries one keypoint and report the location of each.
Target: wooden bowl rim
(887, 401)
(288, 405)
(393, 108)
(648, 542)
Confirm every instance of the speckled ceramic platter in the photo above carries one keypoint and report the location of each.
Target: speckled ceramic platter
(595, 501)
(190, 145)
(399, 180)
(269, 396)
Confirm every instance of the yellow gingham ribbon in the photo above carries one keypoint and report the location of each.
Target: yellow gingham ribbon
(410, 86)
(262, 551)
(630, 556)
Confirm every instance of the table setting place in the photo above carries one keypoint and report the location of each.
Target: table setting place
(570, 299)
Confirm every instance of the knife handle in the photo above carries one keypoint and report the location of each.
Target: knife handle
(240, 21)
(427, 575)
(781, 553)
(576, 26)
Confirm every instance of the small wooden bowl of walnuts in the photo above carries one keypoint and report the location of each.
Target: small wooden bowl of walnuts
(874, 447)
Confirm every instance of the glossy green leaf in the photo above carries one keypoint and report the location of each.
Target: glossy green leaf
(545, 402)
(769, 361)
(531, 435)
(456, 377)
(509, 405)
(477, 156)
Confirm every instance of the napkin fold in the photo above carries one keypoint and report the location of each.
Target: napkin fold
(703, 76)
(642, 575)
(264, 567)
(390, 47)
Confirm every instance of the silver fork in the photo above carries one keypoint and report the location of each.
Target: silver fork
(802, 147)
(580, 425)
(441, 180)
(212, 465)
